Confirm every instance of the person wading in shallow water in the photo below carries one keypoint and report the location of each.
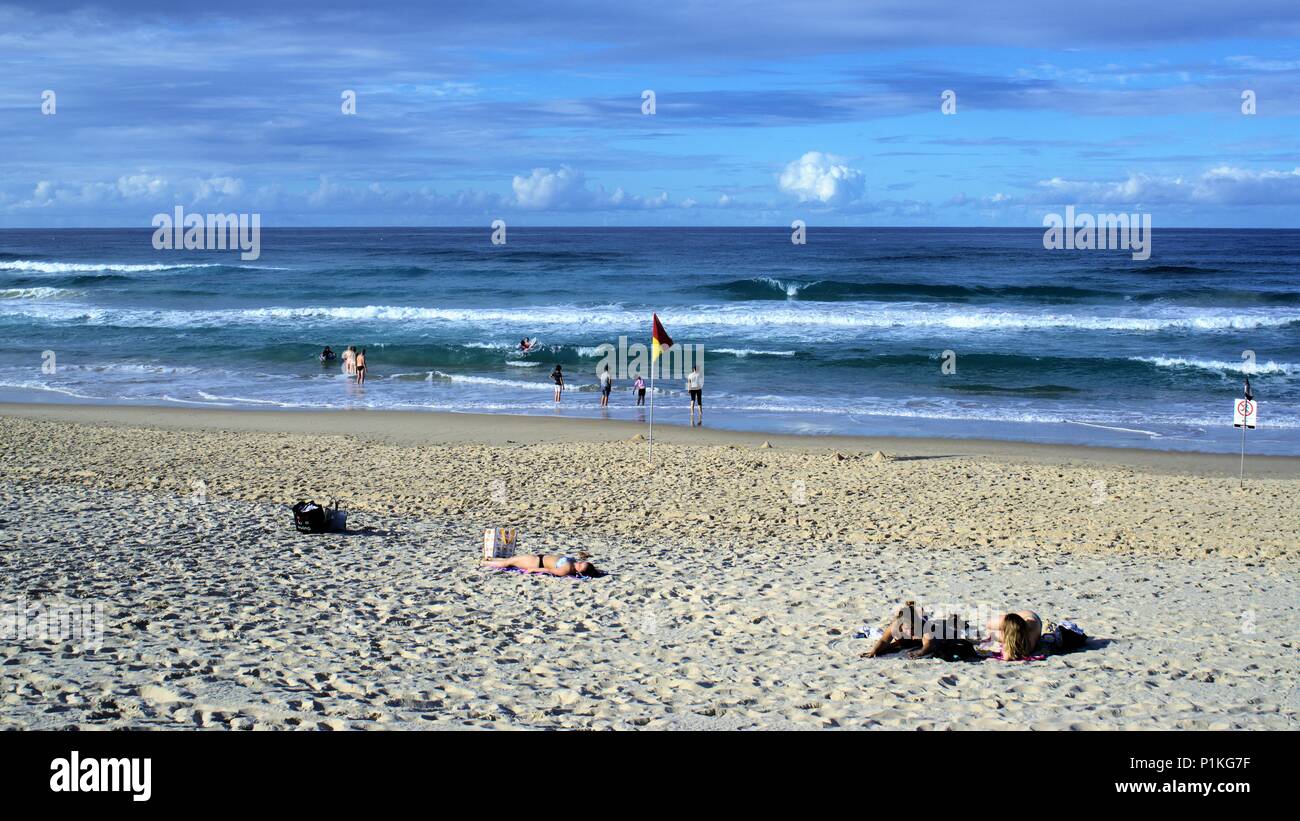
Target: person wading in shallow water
(557, 376)
(361, 367)
(695, 387)
(606, 385)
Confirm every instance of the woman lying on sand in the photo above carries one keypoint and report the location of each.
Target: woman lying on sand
(1011, 636)
(1016, 633)
(546, 563)
(905, 630)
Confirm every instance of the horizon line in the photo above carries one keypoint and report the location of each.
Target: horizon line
(631, 227)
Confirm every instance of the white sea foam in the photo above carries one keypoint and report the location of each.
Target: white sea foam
(37, 293)
(1150, 433)
(42, 267)
(743, 352)
(166, 397)
(131, 368)
(31, 385)
(494, 381)
(574, 319)
(1220, 365)
(33, 267)
(791, 289)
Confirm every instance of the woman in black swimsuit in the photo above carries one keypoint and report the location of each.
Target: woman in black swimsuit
(575, 565)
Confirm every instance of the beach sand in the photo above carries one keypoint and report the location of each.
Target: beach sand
(738, 576)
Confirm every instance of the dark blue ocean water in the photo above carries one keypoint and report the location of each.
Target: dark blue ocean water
(845, 334)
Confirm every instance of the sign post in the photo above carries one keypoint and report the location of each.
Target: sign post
(1244, 415)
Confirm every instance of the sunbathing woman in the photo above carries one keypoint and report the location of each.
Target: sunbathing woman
(1017, 633)
(911, 629)
(576, 565)
(905, 630)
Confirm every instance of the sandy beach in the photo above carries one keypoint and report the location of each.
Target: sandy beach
(739, 574)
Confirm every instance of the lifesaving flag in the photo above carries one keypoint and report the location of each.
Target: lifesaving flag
(659, 339)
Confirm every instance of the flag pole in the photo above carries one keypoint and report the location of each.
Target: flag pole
(651, 451)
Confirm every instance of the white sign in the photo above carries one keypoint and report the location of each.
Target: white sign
(1244, 413)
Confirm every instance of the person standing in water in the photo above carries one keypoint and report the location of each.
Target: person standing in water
(350, 361)
(695, 387)
(639, 387)
(361, 367)
(606, 385)
(557, 376)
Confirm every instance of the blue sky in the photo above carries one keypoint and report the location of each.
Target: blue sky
(765, 112)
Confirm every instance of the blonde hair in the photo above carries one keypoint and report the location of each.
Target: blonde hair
(1015, 637)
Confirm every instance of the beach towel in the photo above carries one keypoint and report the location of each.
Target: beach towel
(522, 572)
(993, 650)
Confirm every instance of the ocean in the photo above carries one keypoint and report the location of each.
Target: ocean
(847, 334)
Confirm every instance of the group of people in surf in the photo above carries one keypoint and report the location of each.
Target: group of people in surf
(354, 365)
(354, 362)
(694, 388)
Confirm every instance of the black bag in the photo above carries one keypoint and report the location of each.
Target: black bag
(309, 517)
(1061, 638)
(1067, 639)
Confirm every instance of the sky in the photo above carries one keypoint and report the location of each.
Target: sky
(764, 113)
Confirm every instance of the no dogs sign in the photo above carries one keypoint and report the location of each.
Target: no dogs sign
(1243, 413)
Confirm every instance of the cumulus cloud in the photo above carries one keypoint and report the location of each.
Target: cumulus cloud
(823, 178)
(1224, 185)
(566, 190)
(545, 189)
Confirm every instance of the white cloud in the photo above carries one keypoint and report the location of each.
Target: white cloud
(546, 189)
(566, 190)
(1225, 185)
(218, 187)
(824, 178)
(140, 185)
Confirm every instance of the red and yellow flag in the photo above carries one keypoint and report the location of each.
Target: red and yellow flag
(659, 339)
